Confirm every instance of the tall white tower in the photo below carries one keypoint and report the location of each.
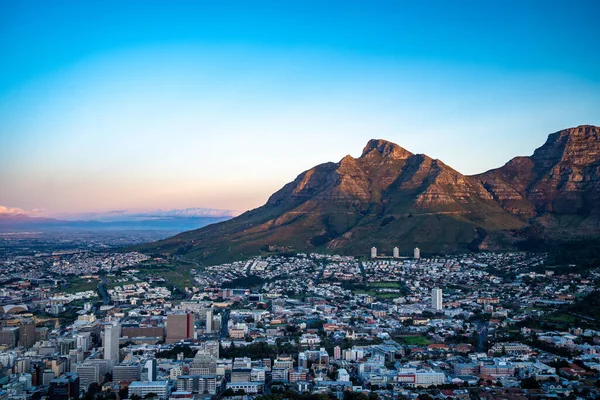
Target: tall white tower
(417, 253)
(209, 320)
(436, 299)
(396, 252)
(112, 333)
(373, 252)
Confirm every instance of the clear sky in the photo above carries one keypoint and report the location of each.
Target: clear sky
(143, 105)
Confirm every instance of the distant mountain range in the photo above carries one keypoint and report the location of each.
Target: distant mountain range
(163, 221)
(390, 197)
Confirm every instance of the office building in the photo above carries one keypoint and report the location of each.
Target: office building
(373, 252)
(208, 384)
(396, 252)
(126, 372)
(180, 327)
(27, 334)
(88, 374)
(209, 320)
(417, 253)
(64, 388)
(159, 388)
(9, 336)
(112, 333)
(149, 371)
(337, 352)
(203, 364)
(436, 299)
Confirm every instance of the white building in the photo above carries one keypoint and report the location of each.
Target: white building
(112, 333)
(175, 372)
(160, 388)
(209, 320)
(417, 253)
(422, 378)
(88, 374)
(436, 299)
(396, 252)
(343, 375)
(337, 352)
(373, 252)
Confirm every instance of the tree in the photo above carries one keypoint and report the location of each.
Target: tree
(530, 383)
(123, 393)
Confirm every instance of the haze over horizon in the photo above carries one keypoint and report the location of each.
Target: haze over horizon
(148, 105)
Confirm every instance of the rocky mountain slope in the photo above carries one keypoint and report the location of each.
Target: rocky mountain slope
(390, 197)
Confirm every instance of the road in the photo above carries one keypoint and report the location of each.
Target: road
(102, 290)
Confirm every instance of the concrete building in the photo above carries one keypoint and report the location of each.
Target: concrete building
(88, 374)
(343, 375)
(436, 299)
(64, 388)
(396, 252)
(180, 327)
(159, 388)
(373, 252)
(337, 352)
(126, 373)
(27, 334)
(417, 253)
(209, 320)
(112, 333)
(150, 371)
(9, 336)
(208, 384)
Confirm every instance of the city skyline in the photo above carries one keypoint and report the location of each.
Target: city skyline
(149, 106)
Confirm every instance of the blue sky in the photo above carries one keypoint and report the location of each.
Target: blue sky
(142, 105)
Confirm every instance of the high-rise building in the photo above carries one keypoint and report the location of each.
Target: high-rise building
(64, 388)
(417, 253)
(27, 334)
(127, 372)
(209, 320)
(9, 336)
(88, 374)
(180, 327)
(396, 252)
(337, 352)
(203, 364)
(373, 252)
(149, 372)
(436, 299)
(112, 334)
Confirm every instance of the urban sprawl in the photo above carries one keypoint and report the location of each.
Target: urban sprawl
(104, 325)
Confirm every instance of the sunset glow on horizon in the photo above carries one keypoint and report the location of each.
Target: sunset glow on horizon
(155, 105)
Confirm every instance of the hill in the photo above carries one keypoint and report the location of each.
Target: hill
(390, 197)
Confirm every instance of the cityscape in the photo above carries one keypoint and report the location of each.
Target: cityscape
(101, 324)
(299, 200)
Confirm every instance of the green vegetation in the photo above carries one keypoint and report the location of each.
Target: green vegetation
(78, 284)
(176, 273)
(113, 283)
(585, 313)
(172, 354)
(414, 340)
(251, 281)
(379, 295)
(258, 350)
(388, 285)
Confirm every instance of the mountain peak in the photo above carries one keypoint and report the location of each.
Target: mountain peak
(579, 146)
(385, 149)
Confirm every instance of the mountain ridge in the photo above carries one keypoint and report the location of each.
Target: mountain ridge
(391, 197)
